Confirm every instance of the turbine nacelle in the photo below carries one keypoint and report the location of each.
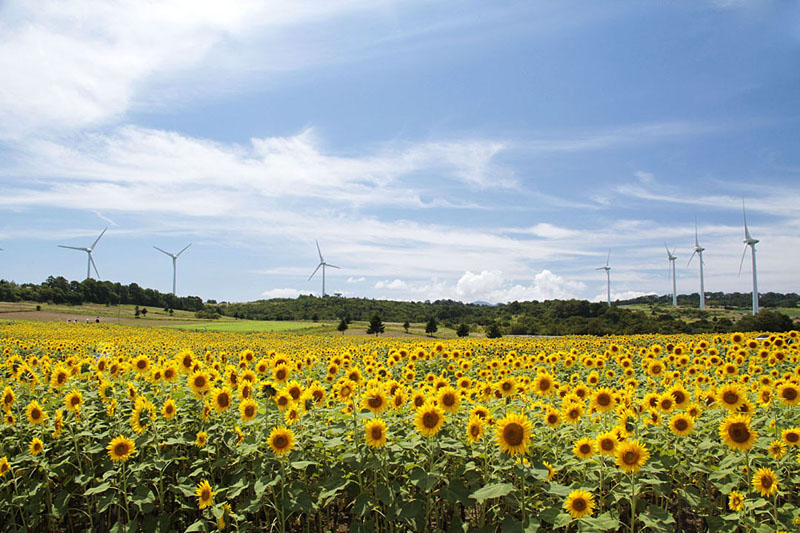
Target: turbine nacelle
(90, 264)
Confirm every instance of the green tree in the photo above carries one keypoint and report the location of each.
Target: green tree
(431, 327)
(406, 325)
(375, 325)
(493, 331)
(463, 330)
(342, 326)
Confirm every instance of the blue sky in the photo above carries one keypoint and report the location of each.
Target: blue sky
(467, 150)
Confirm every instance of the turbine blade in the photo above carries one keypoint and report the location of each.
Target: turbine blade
(742, 261)
(321, 260)
(184, 249)
(97, 239)
(162, 251)
(691, 257)
(696, 242)
(315, 271)
(91, 260)
(332, 266)
(667, 249)
(608, 257)
(673, 253)
(73, 248)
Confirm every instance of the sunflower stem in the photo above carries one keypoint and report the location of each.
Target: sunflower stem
(633, 502)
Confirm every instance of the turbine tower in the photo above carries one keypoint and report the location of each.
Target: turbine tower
(90, 262)
(751, 242)
(672, 257)
(608, 276)
(322, 264)
(699, 251)
(174, 264)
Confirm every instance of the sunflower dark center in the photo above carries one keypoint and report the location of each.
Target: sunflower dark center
(679, 396)
(579, 504)
(141, 364)
(474, 430)
(448, 400)
(739, 432)
(430, 420)
(205, 494)
(607, 444)
(375, 402)
(295, 392)
(585, 448)
(544, 384)
(789, 394)
(681, 424)
(280, 441)
(730, 397)
(75, 400)
(223, 400)
(249, 410)
(766, 482)
(36, 414)
(792, 437)
(376, 433)
(513, 434)
(121, 449)
(630, 457)
(603, 399)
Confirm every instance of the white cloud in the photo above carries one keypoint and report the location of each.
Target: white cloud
(473, 287)
(351, 279)
(394, 285)
(282, 293)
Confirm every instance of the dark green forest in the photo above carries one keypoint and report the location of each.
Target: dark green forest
(553, 317)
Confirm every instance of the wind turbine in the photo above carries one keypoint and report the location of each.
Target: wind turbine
(608, 276)
(672, 257)
(322, 264)
(174, 264)
(751, 242)
(699, 251)
(90, 262)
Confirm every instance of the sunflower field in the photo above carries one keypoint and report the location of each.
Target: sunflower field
(130, 429)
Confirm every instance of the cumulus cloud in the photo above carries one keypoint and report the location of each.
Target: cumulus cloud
(394, 285)
(282, 293)
(351, 279)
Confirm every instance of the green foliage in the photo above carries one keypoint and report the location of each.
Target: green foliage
(463, 330)
(375, 326)
(342, 326)
(431, 327)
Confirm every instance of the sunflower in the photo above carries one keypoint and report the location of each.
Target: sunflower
(607, 443)
(375, 432)
(141, 364)
(169, 409)
(543, 384)
(375, 400)
(199, 382)
(429, 419)
(777, 449)
(791, 436)
(631, 456)
(36, 446)
(475, 429)
(280, 373)
(584, 448)
(572, 412)
(681, 424)
(201, 439)
(59, 377)
(730, 396)
(735, 431)
(292, 414)
(143, 414)
(551, 472)
(5, 467)
(281, 440)
(73, 400)
(603, 400)
(205, 496)
(121, 449)
(239, 435)
(8, 398)
(513, 433)
(449, 399)
(552, 418)
(282, 399)
(735, 501)
(480, 411)
(221, 399)
(579, 504)
(789, 394)
(507, 387)
(248, 409)
(765, 482)
(36, 415)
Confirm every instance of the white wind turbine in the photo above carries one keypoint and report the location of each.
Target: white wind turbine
(90, 262)
(672, 257)
(699, 251)
(174, 264)
(751, 242)
(608, 276)
(322, 264)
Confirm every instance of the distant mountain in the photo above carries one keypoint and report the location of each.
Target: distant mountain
(481, 302)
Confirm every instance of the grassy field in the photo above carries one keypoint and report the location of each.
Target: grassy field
(250, 326)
